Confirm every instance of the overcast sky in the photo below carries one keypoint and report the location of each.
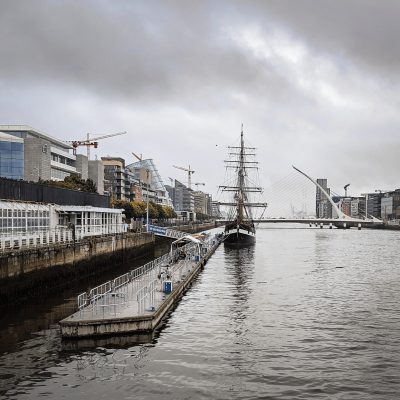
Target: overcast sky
(316, 83)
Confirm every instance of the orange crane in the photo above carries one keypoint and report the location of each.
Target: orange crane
(190, 173)
(89, 142)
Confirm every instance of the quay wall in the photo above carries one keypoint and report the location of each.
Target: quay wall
(26, 273)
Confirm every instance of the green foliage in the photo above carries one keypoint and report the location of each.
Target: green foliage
(89, 186)
(126, 205)
(73, 182)
(169, 212)
(137, 209)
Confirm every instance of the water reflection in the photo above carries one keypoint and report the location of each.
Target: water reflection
(115, 342)
(278, 321)
(239, 271)
(30, 339)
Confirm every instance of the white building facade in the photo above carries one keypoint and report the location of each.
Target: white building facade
(25, 224)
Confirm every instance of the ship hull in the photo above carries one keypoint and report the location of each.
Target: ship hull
(239, 238)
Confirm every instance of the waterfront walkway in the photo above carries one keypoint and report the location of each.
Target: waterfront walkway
(139, 299)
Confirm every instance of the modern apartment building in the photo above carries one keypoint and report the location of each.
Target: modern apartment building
(31, 155)
(390, 205)
(373, 204)
(183, 197)
(323, 208)
(357, 207)
(115, 177)
(145, 172)
(200, 202)
(45, 157)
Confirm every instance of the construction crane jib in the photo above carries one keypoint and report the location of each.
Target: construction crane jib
(139, 157)
(190, 173)
(92, 142)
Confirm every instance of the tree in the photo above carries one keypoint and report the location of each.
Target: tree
(139, 209)
(169, 212)
(73, 182)
(160, 211)
(153, 211)
(126, 205)
(89, 186)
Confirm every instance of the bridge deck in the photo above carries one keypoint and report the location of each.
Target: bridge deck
(314, 221)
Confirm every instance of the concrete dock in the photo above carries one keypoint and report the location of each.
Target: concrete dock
(137, 301)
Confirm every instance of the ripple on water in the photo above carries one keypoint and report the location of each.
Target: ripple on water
(304, 314)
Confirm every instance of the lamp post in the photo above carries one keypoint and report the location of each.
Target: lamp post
(147, 200)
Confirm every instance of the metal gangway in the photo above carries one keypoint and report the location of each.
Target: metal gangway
(140, 290)
(166, 232)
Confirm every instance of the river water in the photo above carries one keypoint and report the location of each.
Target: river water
(304, 314)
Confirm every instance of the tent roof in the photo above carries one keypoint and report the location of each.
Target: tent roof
(188, 238)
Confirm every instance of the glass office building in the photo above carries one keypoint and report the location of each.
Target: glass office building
(11, 156)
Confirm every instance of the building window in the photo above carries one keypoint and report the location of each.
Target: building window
(11, 160)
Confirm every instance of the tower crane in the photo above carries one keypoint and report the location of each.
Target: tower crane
(88, 142)
(139, 157)
(198, 184)
(190, 173)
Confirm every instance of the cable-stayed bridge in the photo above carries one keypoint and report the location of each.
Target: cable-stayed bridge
(291, 189)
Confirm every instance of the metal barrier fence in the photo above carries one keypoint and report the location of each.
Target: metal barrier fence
(15, 240)
(139, 285)
(172, 233)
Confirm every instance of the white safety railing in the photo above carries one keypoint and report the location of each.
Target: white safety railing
(174, 234)
(14, 240)
(139, 285)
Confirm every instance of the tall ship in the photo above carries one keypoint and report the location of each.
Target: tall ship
(243, 187)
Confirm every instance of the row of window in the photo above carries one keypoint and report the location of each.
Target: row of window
(4, 213)
(9, 163)
(19, 134)
(11, 146)
(24, 223)
(62, 159)
(11, 155)
(95, 219)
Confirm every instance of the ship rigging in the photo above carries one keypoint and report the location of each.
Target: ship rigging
(240, 228)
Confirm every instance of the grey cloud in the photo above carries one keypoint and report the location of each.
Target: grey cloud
(147, 51)
(170, 73)
(364, 31)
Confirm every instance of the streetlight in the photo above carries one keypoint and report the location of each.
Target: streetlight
(147, 205)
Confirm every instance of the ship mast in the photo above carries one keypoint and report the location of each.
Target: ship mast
(241, 164)
(241, 174)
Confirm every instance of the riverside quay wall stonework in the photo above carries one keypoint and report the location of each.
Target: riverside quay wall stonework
(26, 272)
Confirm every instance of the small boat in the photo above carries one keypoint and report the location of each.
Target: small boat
(239, 228)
